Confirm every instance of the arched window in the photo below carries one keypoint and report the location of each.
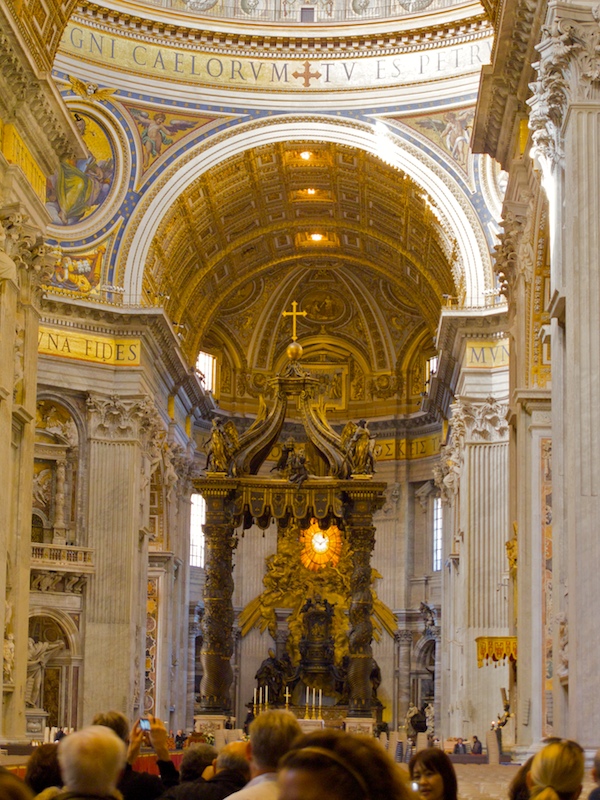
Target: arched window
(197, 519)
(437, 534)
(206, 366)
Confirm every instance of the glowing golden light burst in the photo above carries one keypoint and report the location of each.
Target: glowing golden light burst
(320, 548)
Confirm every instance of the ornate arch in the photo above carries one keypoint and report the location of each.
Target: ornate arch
(456, 215)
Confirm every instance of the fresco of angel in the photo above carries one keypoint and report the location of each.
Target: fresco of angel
(156, 131)
(454, 132)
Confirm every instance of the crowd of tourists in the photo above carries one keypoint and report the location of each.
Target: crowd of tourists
(278, 762)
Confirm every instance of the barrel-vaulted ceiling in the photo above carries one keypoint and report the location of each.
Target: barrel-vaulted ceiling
(353, 241)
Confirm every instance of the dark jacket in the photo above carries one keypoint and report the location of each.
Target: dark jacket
(143, 786)
(225, 782)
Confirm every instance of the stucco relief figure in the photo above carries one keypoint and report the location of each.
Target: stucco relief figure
(38, 655)
(8, 268)
(430, 719)
(428, 614)
(8, 658)
(563, 647)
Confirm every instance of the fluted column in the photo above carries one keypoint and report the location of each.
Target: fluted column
(217, 644)
(59, 508)
(24, 260)
(115, 618)
(475, 596)
(565, 122)
(404, 640)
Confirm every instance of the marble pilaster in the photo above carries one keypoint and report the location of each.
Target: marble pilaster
(115, 619)
(404, 641)
(564, 122)
(23, 261)
(473, 481)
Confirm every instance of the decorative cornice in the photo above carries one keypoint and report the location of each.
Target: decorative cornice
(140, 321)
(333, 45)
(504, 84)
(32, 101)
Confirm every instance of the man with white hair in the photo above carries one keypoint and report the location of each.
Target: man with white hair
(91, 761)
(141, 785)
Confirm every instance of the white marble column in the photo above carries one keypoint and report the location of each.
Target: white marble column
(475, 578)
(405, 642)
(115, 619)
(565, 121)
(23, 260)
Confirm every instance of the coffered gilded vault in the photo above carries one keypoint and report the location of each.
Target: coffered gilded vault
(237, 247)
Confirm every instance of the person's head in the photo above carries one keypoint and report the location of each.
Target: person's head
(91, 760)
(234, 756)
(43, 769)
(557, 772)
(271, 736)
(116, 721)
(596, 767)
(13, 788)
(518, 788)
(196, 759)
(334, 765)
(475, 739)
(432, 770)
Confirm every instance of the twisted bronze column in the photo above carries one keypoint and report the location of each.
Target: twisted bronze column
(217, 646)
(362, 541)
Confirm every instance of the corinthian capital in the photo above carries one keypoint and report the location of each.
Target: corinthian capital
(117, 418)
(486, 421)
(568, 71)
(22, 248)
(507, 265)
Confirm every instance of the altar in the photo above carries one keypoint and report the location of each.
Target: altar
(310, 725)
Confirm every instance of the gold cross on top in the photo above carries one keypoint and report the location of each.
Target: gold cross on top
(294, 314)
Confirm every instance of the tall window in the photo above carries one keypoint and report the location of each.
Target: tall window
(437, 534)
(431, 366)
(206, 364)
(198, 517)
